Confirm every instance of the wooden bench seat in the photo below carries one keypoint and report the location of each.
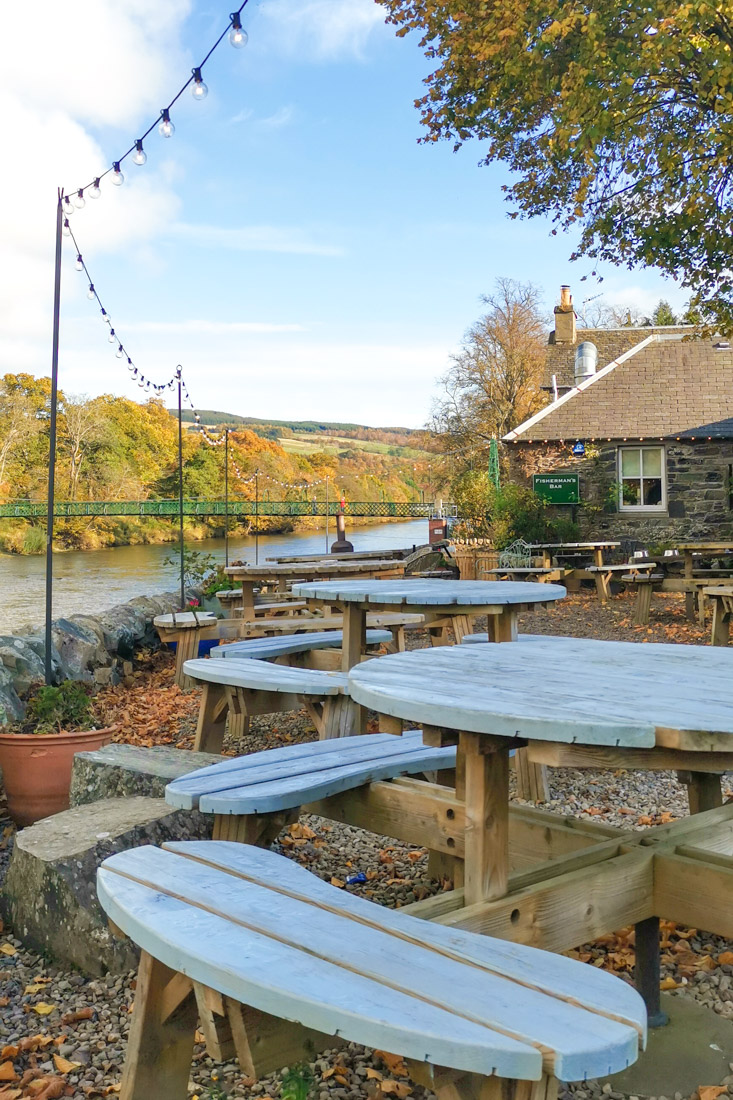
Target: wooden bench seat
(295, 775)
(275, 962)
(241, 687)
(269, 649)
(528, 573)
(394, 621)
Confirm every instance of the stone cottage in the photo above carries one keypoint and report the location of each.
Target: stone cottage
(645, 417)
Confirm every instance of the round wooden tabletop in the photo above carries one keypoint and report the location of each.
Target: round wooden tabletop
(431, 593)
(558, 689)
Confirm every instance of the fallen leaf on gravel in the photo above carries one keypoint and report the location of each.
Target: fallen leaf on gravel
(333, 1071)
(665, 818)
(8, 949)
(74, 1017)
(711, 1092)
(415, 856)
(48, 1088)
(4, 1001)
(394, 1062)
(302, 832)
(116, 1088)
(668, 983)
(7, 1072)
(34, 987)
(9, 1052)
(63, 1065)
(338, 882)
(10, 1094)
(373, 1074)
(400, 1089)
(43, 1008)
(644, 820)
(726, 959)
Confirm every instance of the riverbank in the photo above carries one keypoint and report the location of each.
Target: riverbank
(28, 537)
(93, 580)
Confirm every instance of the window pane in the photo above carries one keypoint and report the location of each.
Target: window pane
(652, 490)
(652, 461)
(630, 464)
(630, 492)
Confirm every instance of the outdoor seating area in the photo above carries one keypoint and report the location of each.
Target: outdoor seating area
(415, 739)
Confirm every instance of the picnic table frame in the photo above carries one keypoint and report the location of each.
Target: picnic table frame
(285, 573)
(692, 585)
(682, 871)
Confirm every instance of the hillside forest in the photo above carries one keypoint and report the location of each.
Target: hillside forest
(111, 448)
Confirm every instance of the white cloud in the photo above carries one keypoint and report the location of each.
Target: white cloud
(254, 238)
(101, 62)
(322, 30)
(276, 121)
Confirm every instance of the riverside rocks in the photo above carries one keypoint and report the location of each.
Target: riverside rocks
(50, 896)
(84, 647)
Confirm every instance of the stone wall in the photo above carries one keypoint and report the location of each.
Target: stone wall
(698, 489)
(91, 648)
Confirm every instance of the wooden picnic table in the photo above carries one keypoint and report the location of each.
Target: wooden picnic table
(439, 601)
(283, 574)
(186, 629)
(604, 574)
(574, 702)
(721, 597)
(549, 550)
(690, 583)
(352, 555)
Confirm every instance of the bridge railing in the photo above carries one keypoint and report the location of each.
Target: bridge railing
(30, 509)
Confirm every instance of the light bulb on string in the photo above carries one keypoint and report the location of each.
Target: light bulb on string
(95, 190)
(90, 293)
(120, 352)
(238, 36)
(198, 88)
(68, 208)
(79, 265)
(166, 128)
(66, 228)
(79, 200)
(139, 156)
(112, 338)
(117, 178)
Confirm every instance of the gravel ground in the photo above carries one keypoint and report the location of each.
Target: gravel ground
(57, 1017)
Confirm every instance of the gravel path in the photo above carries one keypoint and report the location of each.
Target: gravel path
(57, 1018)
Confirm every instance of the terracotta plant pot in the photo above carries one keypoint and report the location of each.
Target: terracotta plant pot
(37, 770)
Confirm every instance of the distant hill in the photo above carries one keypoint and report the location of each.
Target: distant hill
(323, 427)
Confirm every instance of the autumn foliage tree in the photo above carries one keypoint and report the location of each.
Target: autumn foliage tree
(615, 118)
(494, 380)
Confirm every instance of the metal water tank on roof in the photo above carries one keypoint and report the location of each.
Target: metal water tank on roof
(586, 359)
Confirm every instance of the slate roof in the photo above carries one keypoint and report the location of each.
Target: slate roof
(664, 387)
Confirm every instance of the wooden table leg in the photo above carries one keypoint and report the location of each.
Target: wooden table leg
(248, 599)
(647, 969)
(487, 816)
(703, 790)
(503, 627)
(354, 644)
(212, 716)
(721, 622)
(643, 602)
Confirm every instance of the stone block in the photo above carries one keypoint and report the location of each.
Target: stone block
(50, 895)
(118, 771)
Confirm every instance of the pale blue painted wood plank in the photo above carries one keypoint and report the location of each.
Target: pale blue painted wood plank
(517, 1014)
(257, 675)
(430, 593)
(263, 648)
(289, 760)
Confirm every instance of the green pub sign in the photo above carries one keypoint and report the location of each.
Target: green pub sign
(557, 488)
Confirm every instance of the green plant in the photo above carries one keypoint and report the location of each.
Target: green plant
(52, 709)
(297, 1082)
(217, 581)
(197, 566)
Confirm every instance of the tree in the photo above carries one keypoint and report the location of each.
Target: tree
(614, 118)
(663, 314)
(494, 382)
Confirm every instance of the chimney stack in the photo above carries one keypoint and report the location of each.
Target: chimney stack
(565, 318)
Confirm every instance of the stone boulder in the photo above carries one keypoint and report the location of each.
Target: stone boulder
(11, 708)
(118, 771)
(50, 896)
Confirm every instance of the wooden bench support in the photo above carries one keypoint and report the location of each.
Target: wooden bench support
(448, 1084)
(647, 969)
(160, 1046)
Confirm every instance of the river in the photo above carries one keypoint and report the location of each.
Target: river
(92, 580)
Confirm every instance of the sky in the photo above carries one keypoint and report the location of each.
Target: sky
(292, 246)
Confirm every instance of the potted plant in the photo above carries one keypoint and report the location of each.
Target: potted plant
(36, 754)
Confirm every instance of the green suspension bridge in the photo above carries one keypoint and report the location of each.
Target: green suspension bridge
(36, 509)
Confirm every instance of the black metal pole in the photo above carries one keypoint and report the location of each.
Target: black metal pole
(257, 525)
(180, 491)
(48, 662)
(226, 497)
(647, 970)
(326, 515)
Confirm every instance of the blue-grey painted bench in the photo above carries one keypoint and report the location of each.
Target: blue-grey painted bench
(249, 794)
(275, 963)
(261, 687)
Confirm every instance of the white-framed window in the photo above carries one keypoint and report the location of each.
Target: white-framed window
(642, 480)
